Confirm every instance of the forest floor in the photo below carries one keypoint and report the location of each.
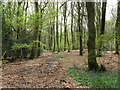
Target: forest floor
(49, 71)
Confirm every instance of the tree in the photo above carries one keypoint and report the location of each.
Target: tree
(92, 63)
(102, 27)
(61, 33)
(72, 32)
(57, 33)
(65, 26)
(0, 30)
(6, 30)
(80, 17)
(26, 34)
(35, 37)
(117, 27)
(53, 26)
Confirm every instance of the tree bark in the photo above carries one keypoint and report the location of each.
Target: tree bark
(18, 14)
(39, 33)
(34, 52)
(80, 29)
(117, 27)
(57, 33)
(61, 33)
(65, 27)
(92, 63)
(102, 28)
(17, 55)
(72, 34)
(54, 47)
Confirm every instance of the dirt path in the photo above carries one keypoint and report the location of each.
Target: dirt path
(50, 72)
(47, 72)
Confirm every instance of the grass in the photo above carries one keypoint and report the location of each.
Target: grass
(65, 56)
(94, 79)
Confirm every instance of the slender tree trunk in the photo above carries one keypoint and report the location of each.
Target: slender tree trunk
(25, 50)
(68, 42)
(39, 48)
(117, 27)
(98, 18)
(79, 28)
(61, 32)
(92, 63)
(39, 33)
(54, 47)
(72, 34)
(98, 24)
(102, 27)
(50, 36)
(57, 33)
(65, 27)
(34, 52)
(17, 54)
(18, 14)
(67, 33)
(50, 42)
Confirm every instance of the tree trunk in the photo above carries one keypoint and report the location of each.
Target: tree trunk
(18, 30)
(61, 33)
(54, 47)
(92, 63)
(18, 14)
(65, 27)
(39, 33)
(68, 42)
(25, 50)
(102, 28)
(72, 34)
(34, 52)
(117, 27)
(98, 23)
(80, 29)
(57, 33)
(50, 36)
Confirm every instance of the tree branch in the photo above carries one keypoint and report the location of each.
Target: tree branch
(44, 6)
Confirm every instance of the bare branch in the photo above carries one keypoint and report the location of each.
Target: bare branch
(44, 6)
